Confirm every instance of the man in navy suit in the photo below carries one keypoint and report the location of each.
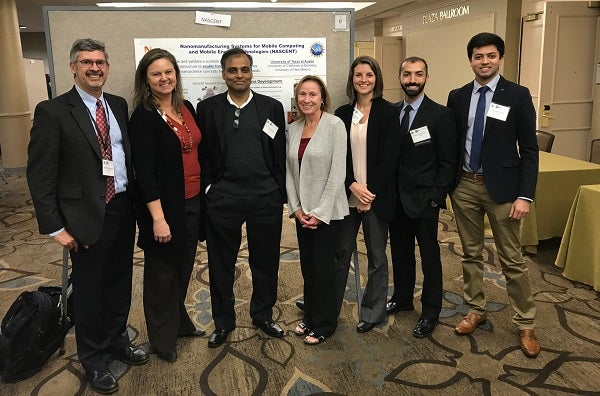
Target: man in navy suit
(426, 172)
(80, 177)
(498, 168)
(243, 177)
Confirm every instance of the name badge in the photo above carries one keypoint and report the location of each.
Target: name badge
(108, 168)
(270, 129)
(420, 135)
(357, 116)
(498, 112)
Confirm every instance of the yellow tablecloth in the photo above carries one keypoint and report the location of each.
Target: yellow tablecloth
(579, 252)
(558, 180)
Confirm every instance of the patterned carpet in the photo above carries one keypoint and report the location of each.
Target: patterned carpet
(385, 361)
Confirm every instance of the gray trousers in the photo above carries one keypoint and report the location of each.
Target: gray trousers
(375, 231)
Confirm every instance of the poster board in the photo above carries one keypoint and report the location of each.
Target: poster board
(118, 27)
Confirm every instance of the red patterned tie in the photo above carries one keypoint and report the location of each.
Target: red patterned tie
(105, 146)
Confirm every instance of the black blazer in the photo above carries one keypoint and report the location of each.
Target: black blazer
(383, 141)
(64, 168)
(211, 119)
(158, 164)
(426, 171)
(509, 153)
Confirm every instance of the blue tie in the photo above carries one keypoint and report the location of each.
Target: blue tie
(475, 159)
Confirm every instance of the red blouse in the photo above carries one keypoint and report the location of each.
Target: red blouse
(302, 148)
(191, 163)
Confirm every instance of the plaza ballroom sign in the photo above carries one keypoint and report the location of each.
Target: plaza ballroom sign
(446, 14)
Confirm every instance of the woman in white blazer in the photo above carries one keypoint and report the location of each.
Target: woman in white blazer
(316, 170)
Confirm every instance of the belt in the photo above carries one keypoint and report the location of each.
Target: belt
(117, 196)
(476, 177)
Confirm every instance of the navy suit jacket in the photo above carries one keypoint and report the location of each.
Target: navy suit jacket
(64, 168)
(211, 114)
(383, 141)
(427, 170)
(509, 153)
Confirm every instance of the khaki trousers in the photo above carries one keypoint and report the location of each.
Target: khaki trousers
(470, 202)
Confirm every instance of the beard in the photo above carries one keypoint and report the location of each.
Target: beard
(412, 93)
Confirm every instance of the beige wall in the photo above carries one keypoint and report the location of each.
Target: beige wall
(367, 31)
(35, 78)
(33, 46)
(558, 63)
(442, 41)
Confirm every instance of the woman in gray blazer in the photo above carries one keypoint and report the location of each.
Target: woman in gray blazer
(316, 170)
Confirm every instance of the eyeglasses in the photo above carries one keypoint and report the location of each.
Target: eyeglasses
(87, 63)
(236, 122)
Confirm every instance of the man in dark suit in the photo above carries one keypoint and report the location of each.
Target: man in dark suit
(498, 168)
(79, 174)
(243, 177)
(426, 172)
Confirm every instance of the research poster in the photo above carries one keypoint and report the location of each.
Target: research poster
(278, 63)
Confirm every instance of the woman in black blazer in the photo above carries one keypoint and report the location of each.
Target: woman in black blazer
(373, 145)
(166, 159)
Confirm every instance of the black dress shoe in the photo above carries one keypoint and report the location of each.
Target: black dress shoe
(363, 326)
(425, 326)
(217, 338)
(269, 327)
(168, 356)
(102, 381)
(131, 355)
(195, 333)
(300, 304)
(392, 307)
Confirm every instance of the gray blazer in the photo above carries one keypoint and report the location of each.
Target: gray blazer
(318, 186)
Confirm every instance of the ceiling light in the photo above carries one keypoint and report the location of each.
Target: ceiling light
(241, 4)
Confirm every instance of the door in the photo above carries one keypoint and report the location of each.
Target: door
(364, 48)
(566, 78)
(389, 52)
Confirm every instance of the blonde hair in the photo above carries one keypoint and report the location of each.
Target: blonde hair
(324, 93)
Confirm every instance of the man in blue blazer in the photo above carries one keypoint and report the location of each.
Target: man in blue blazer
(498, 168)
(426, 173)
(80, 178)
(243, 177)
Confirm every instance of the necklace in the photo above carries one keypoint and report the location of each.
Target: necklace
(184, 147)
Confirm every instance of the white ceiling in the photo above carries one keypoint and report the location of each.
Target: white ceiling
(30, 11)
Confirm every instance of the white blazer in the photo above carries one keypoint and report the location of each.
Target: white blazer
(318, 185)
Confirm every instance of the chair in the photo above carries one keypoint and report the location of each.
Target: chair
(545, 140)
(595, 151)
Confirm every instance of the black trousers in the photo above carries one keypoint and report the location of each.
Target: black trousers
(225, 217)
(166, 281)
(403, 231)
(317, 261)
(102, 276)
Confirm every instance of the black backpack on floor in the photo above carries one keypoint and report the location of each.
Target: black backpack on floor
(32, 330)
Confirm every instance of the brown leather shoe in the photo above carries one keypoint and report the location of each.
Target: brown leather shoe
(469, 323)
(529, 343)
